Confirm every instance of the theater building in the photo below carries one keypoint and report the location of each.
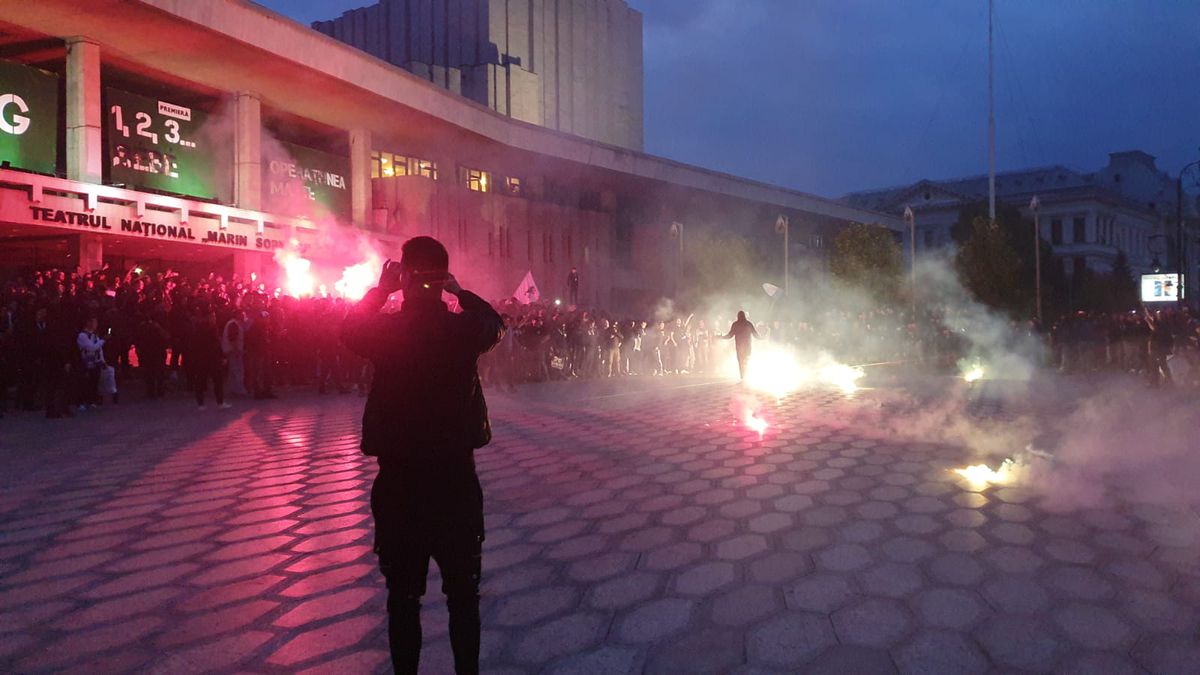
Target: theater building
(208, 134)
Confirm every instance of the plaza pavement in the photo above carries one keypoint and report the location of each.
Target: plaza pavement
(632, 527)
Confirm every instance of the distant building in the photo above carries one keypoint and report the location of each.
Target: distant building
(570, 65)
(1087, 218)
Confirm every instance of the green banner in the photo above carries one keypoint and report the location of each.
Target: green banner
(164, 146)
(28, 118)
(299, 181)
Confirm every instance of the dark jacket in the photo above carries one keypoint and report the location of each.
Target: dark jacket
(425, 399)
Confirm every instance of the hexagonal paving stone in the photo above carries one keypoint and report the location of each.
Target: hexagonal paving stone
(1016, 595)
(1013, 559)
(860, 532)
(1070, 551)
(672, 556)
(958, 569)
(779, 566)
(744, 605)
(1098, 662)
(791, 639)
(656, 619)
(606, 659)
(565, 635)
(711, 530)
(844, 557)
(703, 652)
(894, 580)
(770, 522)
(964, 541)
(806, 539)
(936, 652)
(842, 659)
(953, 608)
(1094, 627)
(876, 510)
(531, 606)
(907, 549)
(1159, 611)
(705, 578)
(743, 546)
(1076, 581)
(1168, 654)
(1020, 642)
(874, 622)
(625, 590)
(601, 566)
(792, 503)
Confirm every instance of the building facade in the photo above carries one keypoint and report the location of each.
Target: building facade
(226, 132)
(1089, 218)
(570, 65)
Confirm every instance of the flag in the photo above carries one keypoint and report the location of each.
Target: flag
(770, 289)
(527, 292)
(781, 224)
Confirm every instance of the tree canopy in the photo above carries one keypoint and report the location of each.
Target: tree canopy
(868, 257)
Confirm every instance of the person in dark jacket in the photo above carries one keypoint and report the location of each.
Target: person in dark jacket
(424, 418)
(741, 332)
(206, 359)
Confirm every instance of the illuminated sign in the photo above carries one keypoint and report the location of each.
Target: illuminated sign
(28, 118)
(306, 183)
(1161, 287)
(164, 146)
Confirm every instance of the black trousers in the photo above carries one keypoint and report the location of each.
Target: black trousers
(423, 513)
(201, 376)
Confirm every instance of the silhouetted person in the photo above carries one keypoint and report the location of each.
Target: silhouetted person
(741, 331)
(424, 418)
(573, 285)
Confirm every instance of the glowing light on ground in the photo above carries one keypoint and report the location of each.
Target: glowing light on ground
(778, 371)
(982, 475)
(974, 373)
(755, 423)
(842, 376)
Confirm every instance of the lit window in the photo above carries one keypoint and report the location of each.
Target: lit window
(390, 165)
(475, 179)
(513, 185)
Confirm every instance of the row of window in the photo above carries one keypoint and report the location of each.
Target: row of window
(390, 164)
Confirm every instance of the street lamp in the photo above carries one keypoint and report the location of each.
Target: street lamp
(782, 226)
(1181, 257)
(911, 219)
(677, 232)
(1035, 205)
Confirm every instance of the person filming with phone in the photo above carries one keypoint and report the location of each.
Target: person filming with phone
(425, 416)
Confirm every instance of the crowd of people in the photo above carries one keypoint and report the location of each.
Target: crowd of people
(70, 342)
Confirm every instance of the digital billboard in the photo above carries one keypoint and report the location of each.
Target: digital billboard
(1161, 287)
(164, 146)
(300, 181)
(29, 119)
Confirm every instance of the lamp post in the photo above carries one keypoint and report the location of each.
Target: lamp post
(782, 225)
(911, 219)
(1035, 205)
(677, 232)
(1180, 242)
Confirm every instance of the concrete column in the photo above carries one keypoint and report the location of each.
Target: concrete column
(247, 262)
(360, 177)
(247, 151)
(84, 154)
(85, 251)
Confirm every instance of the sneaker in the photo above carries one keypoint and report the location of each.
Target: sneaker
(201, 407)
(225, 406)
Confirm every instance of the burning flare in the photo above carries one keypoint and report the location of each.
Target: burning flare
(299, 281)
(755, 423)
(358, 279)
(973, 373)
(982, 475)
(778, 372)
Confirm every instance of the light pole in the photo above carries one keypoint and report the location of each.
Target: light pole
(677, 232)
(1180, 243)
(911, 219)
(782, 226)
(1036, 206)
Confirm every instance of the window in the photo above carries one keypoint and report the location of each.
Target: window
(512, 185)
(1079, 230)
(389, 164)
(475, 180)
(1056, 231)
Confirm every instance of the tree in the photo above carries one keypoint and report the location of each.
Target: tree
(1019, 233)
(989, 267)
(868, 256)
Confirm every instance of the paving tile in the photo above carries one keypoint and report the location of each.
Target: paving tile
(872, 622)
(791, 639)
(939, 652)
(318, 642)
(656, 619)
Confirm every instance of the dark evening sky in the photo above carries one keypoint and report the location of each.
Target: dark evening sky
(830, 96)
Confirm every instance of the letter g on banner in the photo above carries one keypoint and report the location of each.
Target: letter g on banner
(20, 123)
